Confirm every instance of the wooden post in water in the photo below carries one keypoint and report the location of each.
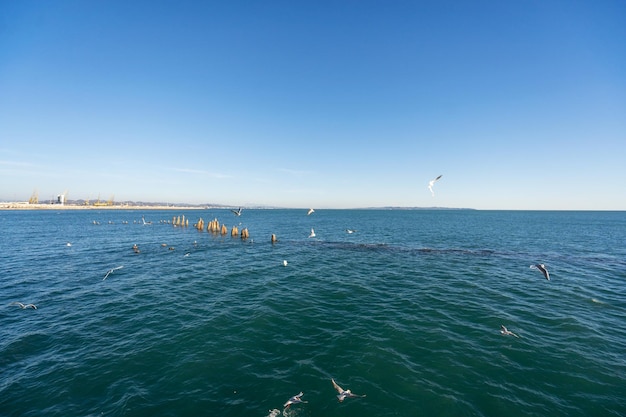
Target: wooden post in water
(214, 226)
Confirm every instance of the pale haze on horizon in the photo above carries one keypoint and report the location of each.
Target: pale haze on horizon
(518, 105)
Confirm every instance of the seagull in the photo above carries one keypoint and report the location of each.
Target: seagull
(312, 233)
(507, 332)
(542, 268)
(285, 262)
(237, 212)
(111, 270)
(350, 231)
(294, 400)
(344, 393)
(311, 211)
(68, 244)
(23, 306)
(431, 183)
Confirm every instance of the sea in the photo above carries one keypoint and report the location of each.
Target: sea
(405, 310)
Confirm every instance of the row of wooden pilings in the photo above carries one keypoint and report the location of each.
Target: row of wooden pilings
(212, 226)
(180, 221)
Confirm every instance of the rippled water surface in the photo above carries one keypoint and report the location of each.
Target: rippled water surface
(406, 310)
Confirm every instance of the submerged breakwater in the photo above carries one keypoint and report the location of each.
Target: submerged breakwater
(404, 306)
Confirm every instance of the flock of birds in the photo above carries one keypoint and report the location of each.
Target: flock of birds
(342, 393)
(296, 398)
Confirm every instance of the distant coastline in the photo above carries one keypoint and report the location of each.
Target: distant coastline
(28, 206)
(167, 206)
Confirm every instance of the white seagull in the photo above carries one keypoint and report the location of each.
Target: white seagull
(311, 211)
(110, 271)
(285, 262)
(312, 233)
(294, 400)
(237, 212)
(542, 269)
(431, 183)
(507, 332)
(350, 231)
(344, 393)
(23, 306)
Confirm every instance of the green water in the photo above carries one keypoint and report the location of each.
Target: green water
(407, 311)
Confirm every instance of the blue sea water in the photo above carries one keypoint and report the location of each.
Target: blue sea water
(406, 310)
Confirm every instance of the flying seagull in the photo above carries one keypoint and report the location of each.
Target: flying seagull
(23, 306)
(431, 183)
(294, 400)
(237, 212)
(312, 233)
(110, 271)
(311, 211)
(542, 269)
(507, 332)
(344, 393)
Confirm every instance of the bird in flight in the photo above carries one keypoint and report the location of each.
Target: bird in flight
(431, 183)
(311, 211)
(507, 332)
(23, 306)
(344, 393)
(542, 268)
(110, 271)
(294, 400)
(237, 212)
(312, 233)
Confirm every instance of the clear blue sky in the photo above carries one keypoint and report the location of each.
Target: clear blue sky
(324, 104)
